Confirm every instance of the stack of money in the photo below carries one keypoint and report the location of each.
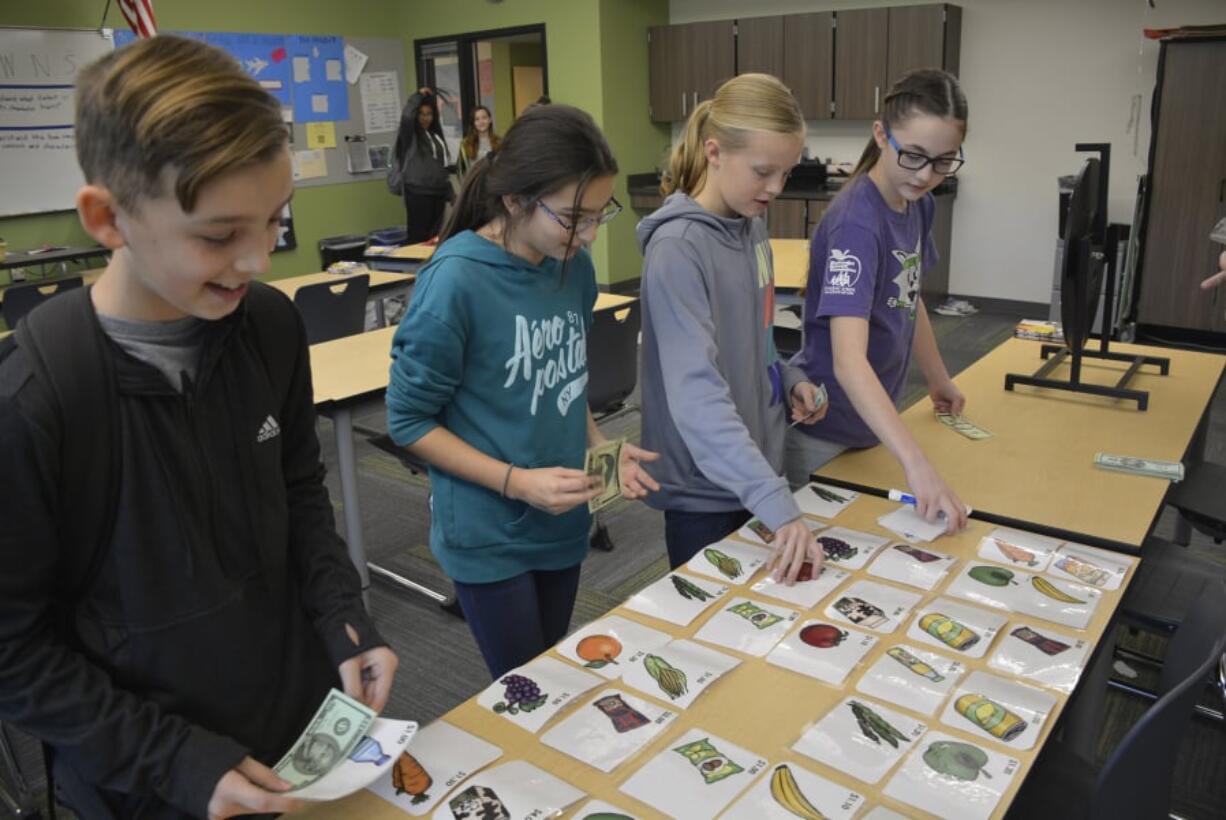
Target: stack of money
(604, 461)
(1171, 470)
(338, 725)
(963, 425)
(819, 401)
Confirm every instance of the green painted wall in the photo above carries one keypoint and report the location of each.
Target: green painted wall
(318, 212)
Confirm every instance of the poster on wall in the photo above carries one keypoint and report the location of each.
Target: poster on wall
(317, 65)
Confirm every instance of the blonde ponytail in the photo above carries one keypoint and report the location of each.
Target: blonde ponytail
(743, 105)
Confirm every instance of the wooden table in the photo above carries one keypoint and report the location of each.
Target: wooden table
(1038, 470)
(758, 706)
(791, 257)
(403, 258)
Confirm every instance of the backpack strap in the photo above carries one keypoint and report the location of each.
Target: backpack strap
(63, 345)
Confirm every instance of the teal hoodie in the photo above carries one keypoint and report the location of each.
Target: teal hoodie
(494, 349)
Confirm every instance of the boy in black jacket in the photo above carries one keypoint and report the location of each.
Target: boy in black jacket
(222, 606)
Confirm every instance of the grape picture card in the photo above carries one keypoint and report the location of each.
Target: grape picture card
(1061, 602)
(911, 677)
(1000, 710)
(912, 566)
(678, 672)
(695, 776)
(870, 605)
(603, 645)
(747, 626)
(441, 756)
(792, 791)
(729, 561)
(952, 778)
(530, 695)
(807, 590)
(609, 729)
(849, 549)
(516, 790)
(1043, 655)
(1017, 548)
(1090, 566)
(823, 651)
(861, 738)
(953, 627)
(823, 500)
(676, 598)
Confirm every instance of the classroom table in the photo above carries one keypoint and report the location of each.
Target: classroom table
(383, 284)
(1037, 471)
(759, 706)
(791, 257)
(45, 259)
(402, 258)
(351, 370)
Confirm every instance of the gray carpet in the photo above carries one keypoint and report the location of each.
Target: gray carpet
(440, 665)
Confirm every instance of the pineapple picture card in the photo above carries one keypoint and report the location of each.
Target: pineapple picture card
(870, 605)
(822, 500)
(515, 790)
(530, 695)
(677, 598)
(747, 626)
(860, 738)
(1000, 710)
(697, 775)
(849, 549)
(956, 627)
(609, 729)
(1041, 654)
(807, 590)
(440, 757)
(949, 777)
(911, 677)
(790, 791)
(823, 651)
(729, 561)
(678, 672)
(912, 566)
(604, 644)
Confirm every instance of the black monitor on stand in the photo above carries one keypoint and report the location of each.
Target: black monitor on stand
(1081, 279)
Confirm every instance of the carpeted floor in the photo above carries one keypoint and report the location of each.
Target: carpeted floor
(440, 665)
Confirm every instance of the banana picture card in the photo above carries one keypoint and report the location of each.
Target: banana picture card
(822, 500)
(914, 678)
(1041, 654)
(823, 651)
(956, 628)
(747, 626)
(789, 791)
(860, 738)
(950, 777)
(677, 598)
(1017, 548)
(609, 729)
(849, 549)
(603, 645)
(870, 605)
(807, 590)
(516, 790)
(440, 757)
(729, 561)
(999, 710)
(912, 566)
(1061, 602)
(678, 672)
(530, 695)
(697, 775)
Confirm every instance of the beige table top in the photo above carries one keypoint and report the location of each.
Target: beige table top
(420, 251)
(378, 279)
(758, 706)
(1039, 466)
(791, 258)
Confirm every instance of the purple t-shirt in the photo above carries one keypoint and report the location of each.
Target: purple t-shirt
(865, 260)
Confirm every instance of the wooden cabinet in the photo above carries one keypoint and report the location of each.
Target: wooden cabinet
(686, 64)
(1187, 183)
(668, 68)
(808, 61)
(759, 46)
(785, 219)
(861, 39)
(924, 37)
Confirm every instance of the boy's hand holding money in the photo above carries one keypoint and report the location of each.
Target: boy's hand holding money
(250, 788)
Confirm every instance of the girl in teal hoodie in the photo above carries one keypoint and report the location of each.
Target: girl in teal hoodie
(489, 382)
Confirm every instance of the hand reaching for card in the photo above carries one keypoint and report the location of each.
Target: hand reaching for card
(794, 545)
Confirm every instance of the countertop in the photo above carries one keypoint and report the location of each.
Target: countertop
(649, 185)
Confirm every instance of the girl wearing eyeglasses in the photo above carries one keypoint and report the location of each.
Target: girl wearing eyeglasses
(489, 379)
(716, 397)
(863, 315)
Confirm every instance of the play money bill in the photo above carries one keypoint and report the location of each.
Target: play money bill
(819, 401)
(603, 461)
(1171, 470)
(338, 725)
(963, 425)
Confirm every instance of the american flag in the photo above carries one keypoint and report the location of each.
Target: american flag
(139, 14)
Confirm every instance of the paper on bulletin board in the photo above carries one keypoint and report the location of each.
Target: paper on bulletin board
(355, 61)
(321, 134)
(310, 164)
(381, 102)
(320, 92)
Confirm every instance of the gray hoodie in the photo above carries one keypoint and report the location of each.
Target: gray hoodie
(708, 307)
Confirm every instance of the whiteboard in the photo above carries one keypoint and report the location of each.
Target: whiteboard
(38, 163)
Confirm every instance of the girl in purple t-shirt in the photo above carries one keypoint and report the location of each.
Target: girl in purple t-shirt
(863, 313)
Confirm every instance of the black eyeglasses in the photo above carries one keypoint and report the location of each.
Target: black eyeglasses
(915, 161)
(612, 209)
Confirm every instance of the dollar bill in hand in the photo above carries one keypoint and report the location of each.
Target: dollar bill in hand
(605, 461)
(338, 725)
(1172, 470)
(819, 401)
(963, 425)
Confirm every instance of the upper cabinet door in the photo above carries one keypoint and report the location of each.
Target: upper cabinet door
(668, 70)
(924, 37)
(808, 61)
(861, 42)
(711, 48)
(759, 46)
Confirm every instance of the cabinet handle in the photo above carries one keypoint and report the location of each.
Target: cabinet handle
(695, 105)
(683, 103)
(876, 99)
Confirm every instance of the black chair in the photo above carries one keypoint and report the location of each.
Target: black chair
(21, 299)
(17, 798)
(1136, 780)
(347, 248)
(1200, 499)
(331, 310)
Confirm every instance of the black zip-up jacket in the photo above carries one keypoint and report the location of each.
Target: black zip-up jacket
(216, 621)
